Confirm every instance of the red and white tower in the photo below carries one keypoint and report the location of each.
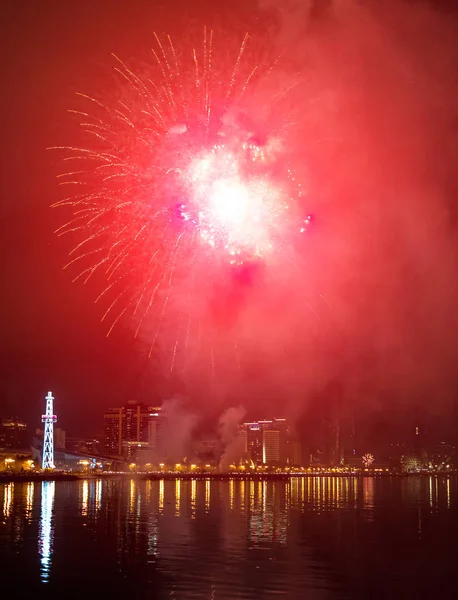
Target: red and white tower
(48, 438)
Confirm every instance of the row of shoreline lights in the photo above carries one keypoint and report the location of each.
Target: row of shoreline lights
(9, 462)
(243, 468)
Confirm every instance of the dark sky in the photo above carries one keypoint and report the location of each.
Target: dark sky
(377, 99)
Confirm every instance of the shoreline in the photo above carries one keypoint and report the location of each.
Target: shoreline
(26, 478)
(172, 476)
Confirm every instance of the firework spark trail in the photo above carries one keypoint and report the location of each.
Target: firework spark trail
(168, 194)
(236, 67)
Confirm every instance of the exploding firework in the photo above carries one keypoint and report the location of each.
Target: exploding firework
(177, 187)
(368, 460)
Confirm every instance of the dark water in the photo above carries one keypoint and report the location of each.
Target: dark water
(310, 538)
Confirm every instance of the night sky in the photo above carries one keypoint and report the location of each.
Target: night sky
(377, 106)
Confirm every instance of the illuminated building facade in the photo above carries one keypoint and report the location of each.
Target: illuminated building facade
(254, 442)
(131, 427)
(13, 434)
(267, 442)
(84, 445)
(271, 447)
(415, 457)
(113, 431)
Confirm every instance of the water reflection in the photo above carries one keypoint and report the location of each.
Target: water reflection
(368, 496)
(85, 498)
(161, 496)
(251, 496)
(132, 496)
(224, 533)
(269, 503)
(8, 499)
(193, 498)
(207, 495)
(46, 529)
(30, 487)
(242, 496)
(98, 494)
(177, 497)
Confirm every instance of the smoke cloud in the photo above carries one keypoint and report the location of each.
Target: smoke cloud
(362, 105)
(178, 426)
(374, 138)
(366, 116)
(233, 446)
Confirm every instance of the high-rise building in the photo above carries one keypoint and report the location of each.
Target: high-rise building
(132, 426)
(267, 442)
(13, 434)
(113, 431)
(415, 457)
(253, 433)
(271, 446)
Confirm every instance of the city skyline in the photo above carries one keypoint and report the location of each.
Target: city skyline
(167, 436)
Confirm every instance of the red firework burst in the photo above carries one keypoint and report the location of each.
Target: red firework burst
(178, 187)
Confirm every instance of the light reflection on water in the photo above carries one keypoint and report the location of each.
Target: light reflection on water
(207, 495)
(30, 488)
(177, 497)
(8, 499)
(85, 498)
(161, 496)
(98, 494)
(247, 539)
(46, 528)
(193, 498)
